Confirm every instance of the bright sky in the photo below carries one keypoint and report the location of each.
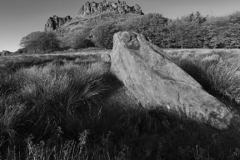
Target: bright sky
(21, 17)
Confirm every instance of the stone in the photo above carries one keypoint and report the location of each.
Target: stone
(56, 22)
(100, 8)
(137, 9)
(120, 7)
(94, 7)
(156, 82)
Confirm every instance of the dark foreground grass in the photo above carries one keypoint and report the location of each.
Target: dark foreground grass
(61, 111)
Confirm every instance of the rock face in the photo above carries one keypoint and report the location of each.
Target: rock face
(109, 6)
(55, 22)
(155, 81)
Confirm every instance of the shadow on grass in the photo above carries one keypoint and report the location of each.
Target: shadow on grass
(198, 70)
(141, 134)
(88, 122)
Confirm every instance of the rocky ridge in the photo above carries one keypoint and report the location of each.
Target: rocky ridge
(55, 22)
(120, 7)
(92, 8)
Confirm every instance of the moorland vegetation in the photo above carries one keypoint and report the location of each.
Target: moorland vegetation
(190, 31)
(64, 107)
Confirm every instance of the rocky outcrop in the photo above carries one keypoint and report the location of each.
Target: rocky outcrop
(55, 22)
(155, 81)
(108, 6)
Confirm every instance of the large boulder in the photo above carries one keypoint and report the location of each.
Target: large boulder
(155, 81)
(56, 22)
(108, 6)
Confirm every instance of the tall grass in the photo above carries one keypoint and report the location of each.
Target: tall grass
(40, 99)
(217, 76)
(223, 78)
(139, 134)
(60, 111)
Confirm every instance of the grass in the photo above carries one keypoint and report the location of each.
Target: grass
(217, 72)
(223, 78)
(78, 110)
(51, 91)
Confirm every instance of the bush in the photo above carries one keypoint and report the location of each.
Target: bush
(152, 26)
(40, 42)
(102, 34)
(21, 51)
(81, 39)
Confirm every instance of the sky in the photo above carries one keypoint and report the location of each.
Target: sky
(18, 18)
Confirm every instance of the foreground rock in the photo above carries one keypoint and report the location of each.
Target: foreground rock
(155, 81)
(108, 6)
(55, 22)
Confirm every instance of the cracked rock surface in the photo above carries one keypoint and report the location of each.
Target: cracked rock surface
(155, 81)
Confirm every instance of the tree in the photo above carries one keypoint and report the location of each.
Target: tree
(153, 26)
(223, 32)
(102, 34)
(40, 41)
(81, 39)
(188, 31)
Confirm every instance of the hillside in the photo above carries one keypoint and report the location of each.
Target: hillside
(91, 21)
(96, 23)
(91, 14)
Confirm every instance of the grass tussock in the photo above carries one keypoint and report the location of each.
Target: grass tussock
(217, 77)
(48, 97)
(61, 110)
(223, 78)
(216, 73)
(138, 134)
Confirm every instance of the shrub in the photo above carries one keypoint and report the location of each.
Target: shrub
(81, 39)
(40, 41)
(152, 26)
(21, 51)
(102, 34)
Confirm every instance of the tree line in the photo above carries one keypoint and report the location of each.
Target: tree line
(190, 31)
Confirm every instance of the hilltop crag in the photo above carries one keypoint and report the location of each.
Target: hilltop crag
(92, 9)
(55, 22)
(108, 6)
